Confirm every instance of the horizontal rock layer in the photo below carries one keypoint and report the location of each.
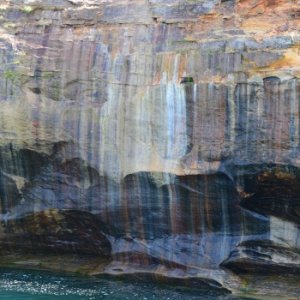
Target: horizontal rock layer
(169, 129)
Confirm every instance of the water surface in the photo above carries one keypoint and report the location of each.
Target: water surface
(34, 285)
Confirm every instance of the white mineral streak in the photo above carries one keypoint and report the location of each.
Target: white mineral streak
(150, 131)
(294, 125)
(284, 232)
(101, 83)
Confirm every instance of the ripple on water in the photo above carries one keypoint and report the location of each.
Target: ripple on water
(33, 285)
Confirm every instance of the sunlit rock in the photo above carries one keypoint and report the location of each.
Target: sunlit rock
(152, 137)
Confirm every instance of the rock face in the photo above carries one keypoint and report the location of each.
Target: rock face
(162, 135)
(54, 231)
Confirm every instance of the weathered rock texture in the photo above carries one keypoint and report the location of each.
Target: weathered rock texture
(169, 129)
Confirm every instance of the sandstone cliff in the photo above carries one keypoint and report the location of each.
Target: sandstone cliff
(172, 126)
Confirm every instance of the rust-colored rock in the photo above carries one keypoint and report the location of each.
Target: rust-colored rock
(55, 232)
(163, 134)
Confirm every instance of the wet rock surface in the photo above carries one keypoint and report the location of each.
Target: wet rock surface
(263, 257)
(275, 192)
(152, 137)
(57, 232)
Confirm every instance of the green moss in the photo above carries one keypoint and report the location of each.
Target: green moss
(187, 80)
(14, 76)
(3, 8)
(9, 25)
(48, 75)
(187, 41)
(27, 9)
(10, 75)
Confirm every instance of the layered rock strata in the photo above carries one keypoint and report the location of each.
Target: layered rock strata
(161, 137)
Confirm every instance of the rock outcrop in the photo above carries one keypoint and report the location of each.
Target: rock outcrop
(160, 136)
(56, 232)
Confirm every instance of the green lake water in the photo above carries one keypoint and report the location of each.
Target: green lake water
(33, 285)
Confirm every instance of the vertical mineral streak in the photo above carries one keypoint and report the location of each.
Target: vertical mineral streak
(163, 134)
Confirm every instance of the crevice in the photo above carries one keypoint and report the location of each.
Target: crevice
(187, 80)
